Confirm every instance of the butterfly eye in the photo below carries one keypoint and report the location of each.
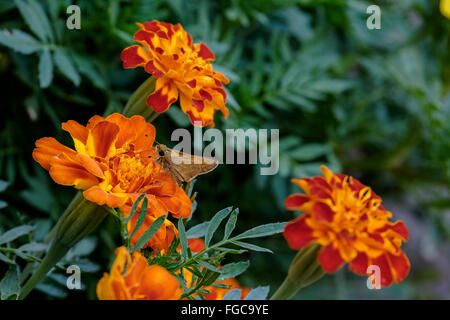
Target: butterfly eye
(161, 153)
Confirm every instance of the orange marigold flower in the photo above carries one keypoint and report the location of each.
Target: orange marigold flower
(182, 69)
(131, 278)
(347, 219)
(112, 163)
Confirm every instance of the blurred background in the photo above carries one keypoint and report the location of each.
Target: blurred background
(374, 104)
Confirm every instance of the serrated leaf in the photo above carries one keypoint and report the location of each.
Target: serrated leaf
(65, 65)
(259, 293)
(197, 231)
(141, 217)
(19, 41)
(15, 233)
(34, 246)
(35, 18)
(231, 223)
(183, 239)
(9, 286)
(214, 224)
(149, 233)
(234, 294)
(250, 246)
(262, 231)
(234, 269)
(45, 69)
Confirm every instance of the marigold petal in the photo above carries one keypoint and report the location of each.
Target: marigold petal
(297, 233)
(204, 52)
(400, 265)
(330, 259)
(77, 131)
(359, 264)
(133, 56)
(47, 148)
(102, 138)
(323, 212)
(101, 197)
(385, 270)
(165, 94)
(65, 171)
(90, 165)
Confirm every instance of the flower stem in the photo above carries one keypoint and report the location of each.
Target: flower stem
(81, 218)
(137, 104)
(304, 271)
(286, 291)
(56, 252)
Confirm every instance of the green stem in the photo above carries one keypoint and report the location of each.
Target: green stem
(82, 218)
(286, 291)
(77, 199)
(303, 271)
(56, 252)
(137, 104)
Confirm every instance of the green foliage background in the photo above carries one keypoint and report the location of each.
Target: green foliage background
(371, 103)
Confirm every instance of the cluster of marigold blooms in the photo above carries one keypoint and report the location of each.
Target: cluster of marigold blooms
(113, 163)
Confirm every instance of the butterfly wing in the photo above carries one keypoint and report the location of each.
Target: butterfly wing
(188, 166)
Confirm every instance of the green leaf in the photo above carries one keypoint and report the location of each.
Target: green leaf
(35, 18)
(33, 246)
(83, 248)
(234, 294)
(183, 238)
(208, 266)
(309, 152)
(19, 41)
(262, 231)
(234, 269)
(52, 290)
(15, 233)
(65, 65)
(149, 233)
(214, 224)
(88, 68)
(6, 259)
(197, 231)
(9, 286)
(142, 215)
(259, 293)
(4, 185)
(134, 208)
(231, 223)
(45, 69)
(250, 246)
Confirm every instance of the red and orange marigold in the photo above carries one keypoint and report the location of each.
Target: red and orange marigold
(113, 164)
(347, 219)
(182, 69)
(131, 278)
